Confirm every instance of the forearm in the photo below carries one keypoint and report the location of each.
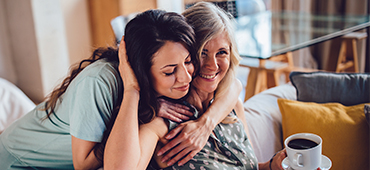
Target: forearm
(123, 144)
(83, 154)
(222, 105)
(263, 166)
(90, 162)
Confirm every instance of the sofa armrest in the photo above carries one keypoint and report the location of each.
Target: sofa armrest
(264, 120)
(14, 104)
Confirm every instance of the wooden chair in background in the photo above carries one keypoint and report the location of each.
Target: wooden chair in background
(348, 55)
(268, 73)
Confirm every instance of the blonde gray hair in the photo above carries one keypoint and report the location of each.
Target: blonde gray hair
(209, 21)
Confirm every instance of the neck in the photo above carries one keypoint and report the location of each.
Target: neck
(200, 99)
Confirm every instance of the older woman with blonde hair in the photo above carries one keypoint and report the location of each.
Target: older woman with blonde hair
(208, 22)
(228, 146)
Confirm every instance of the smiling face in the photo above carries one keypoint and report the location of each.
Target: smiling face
(214, 63)
(172, 70)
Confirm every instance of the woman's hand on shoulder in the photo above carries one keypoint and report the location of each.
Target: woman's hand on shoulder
(173, 111)
(127, 74)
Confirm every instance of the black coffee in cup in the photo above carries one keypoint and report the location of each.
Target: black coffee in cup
(301, 144)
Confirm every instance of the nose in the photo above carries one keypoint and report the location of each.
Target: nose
(210, 63)
(183, 75)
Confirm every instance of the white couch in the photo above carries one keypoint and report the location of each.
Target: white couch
(264, 120)
(13, 104)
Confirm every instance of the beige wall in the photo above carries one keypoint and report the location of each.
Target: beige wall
(7, 69)
(23, 47)
(77, 27)
(51, 41)
(40, 39)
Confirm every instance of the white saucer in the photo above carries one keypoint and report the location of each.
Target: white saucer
(325, 163)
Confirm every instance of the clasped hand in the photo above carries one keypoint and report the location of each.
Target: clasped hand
(187, 139)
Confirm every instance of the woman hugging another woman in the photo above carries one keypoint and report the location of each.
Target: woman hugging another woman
(134, 143)
(66, 131)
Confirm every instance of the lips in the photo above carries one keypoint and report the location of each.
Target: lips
(182, 88)
(208, 76)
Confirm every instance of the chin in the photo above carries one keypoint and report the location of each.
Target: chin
(208, 89)
(179, 96)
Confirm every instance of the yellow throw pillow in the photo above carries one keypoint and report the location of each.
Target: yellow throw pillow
(343, 129)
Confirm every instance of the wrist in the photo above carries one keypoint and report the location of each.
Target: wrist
(263, 166)
(270, 162)
(131, 93)
(208, 122)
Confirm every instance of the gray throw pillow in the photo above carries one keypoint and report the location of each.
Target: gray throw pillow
(323, 87)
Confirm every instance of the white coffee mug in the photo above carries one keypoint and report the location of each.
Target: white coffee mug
(305, 158)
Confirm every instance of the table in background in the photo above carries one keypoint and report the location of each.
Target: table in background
(271, 37)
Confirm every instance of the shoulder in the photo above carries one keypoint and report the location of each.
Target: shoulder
(237, 84)
(158, 125)
(100, 72)
(99, 84)
(101, 68)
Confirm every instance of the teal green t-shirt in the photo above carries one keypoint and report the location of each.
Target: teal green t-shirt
(82, 111)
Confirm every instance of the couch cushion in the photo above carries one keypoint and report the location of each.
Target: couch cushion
(344, 130)
(322, 87)
(264, 120)
(13, 104)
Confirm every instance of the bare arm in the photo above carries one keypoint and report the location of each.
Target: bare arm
(193, 135)
(83, 154)
(128, 147)
(223, 104)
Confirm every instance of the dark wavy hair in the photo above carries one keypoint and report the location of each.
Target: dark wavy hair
(144, 36)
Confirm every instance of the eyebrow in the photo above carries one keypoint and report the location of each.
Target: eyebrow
(225, 49)
(222, 48)
(170, 65)
(173, 65)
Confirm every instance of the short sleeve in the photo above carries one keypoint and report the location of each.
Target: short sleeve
(90, 109)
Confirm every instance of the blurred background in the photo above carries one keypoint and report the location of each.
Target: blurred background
(41, 39)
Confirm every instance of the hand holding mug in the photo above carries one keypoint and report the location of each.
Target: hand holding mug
(304, 151)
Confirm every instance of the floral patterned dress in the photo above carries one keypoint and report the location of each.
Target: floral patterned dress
(228, 148)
